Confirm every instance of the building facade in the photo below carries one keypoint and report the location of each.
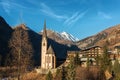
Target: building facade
(91, 53)
(48, 58)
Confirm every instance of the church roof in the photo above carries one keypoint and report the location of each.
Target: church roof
(50, 50)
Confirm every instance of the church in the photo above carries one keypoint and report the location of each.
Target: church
(48, 58)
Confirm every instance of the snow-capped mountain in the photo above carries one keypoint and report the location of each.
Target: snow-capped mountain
(68, 36)
(62, 37)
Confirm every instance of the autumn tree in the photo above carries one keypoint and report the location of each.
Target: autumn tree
(20, 49)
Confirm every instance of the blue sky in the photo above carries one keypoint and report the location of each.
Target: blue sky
(81, 18)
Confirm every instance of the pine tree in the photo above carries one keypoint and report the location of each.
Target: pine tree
(61, 73)
(87, 62)
(116, 69)
(49, 76)
(97, 59)
(71, 70)
(64, 73)
(58, 74)
(77, 59)
(105, 63)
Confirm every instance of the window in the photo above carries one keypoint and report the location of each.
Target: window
(43, 44)
(48, 59)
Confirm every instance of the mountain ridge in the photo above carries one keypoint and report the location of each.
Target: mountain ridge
(62, 38)
(5, 35)
(110, 35)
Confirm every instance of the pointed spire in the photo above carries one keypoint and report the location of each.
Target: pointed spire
(45, 25)
(44, 30)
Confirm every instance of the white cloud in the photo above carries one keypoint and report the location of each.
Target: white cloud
(74, 18)
(71, 18)
(67, 20)
(104, 15)
(47, 10)
(8, 5)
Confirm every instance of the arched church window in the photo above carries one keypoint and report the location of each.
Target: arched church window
(43, 44)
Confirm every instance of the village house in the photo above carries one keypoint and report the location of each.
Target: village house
(90, 53)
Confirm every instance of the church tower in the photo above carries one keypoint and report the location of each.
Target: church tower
(43, 46)
(48, 58)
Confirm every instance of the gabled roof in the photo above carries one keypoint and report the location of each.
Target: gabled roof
(50, 50)
(91, 48)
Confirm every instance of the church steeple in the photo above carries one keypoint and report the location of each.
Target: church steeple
(44, 47)
(44, 30)
(48, 59)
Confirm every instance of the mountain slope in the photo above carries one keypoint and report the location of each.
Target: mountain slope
(110, 35)
(62, 38)
(5, 35)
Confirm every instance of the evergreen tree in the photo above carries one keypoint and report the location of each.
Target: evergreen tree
(97, 59)
(71, 70)
(105, 63)
(116, 69)
(64, 73)
(87, 62)
(77, 59)
(58, 74)
(49, 76)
